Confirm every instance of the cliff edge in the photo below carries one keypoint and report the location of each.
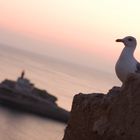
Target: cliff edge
(111, 116)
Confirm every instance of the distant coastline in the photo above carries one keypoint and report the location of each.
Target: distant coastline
(23, 95)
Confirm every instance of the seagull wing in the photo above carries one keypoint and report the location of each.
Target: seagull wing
(138, 67)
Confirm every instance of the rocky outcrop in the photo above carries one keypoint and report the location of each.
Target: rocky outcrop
(36, 92)
(31, 100)
(111, 116)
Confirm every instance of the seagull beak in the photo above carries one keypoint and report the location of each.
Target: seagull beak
(119, 40)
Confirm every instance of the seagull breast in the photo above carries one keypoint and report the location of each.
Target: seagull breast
(126, 64)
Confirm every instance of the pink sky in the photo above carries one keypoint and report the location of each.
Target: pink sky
(82, 30)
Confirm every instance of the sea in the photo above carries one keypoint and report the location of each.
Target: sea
(60, 78)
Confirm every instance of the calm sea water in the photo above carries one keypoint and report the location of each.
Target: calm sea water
(60, 78)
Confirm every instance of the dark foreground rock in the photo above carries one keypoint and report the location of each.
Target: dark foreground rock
(114, 116)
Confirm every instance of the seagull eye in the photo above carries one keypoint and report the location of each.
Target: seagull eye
(129, 39)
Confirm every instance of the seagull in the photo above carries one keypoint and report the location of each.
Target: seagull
(127, 63)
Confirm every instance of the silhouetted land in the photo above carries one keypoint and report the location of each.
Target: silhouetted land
(22, 95)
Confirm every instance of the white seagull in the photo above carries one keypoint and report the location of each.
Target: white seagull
(127, 63)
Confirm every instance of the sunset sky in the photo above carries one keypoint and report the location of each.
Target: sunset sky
(81, 31)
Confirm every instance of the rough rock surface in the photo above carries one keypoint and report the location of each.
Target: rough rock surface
(111, 116)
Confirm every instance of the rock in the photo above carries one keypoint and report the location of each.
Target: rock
(111, 116)
(32, 100)
(36, 92)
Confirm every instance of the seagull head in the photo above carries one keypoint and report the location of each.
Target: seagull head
(128, 41)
